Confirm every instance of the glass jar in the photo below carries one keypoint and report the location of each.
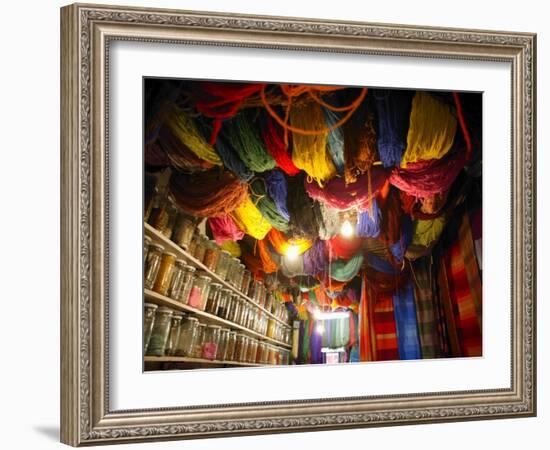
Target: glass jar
(262, 296)
(210, 342)
(199, 291)
(176, 283)
(245, 311)
(160, 212)
(213, 298)
(254, 292)
(222, 346)
(183, 230)
(235, 271)
(164, 275)
(270, 328)
(247, 278)
(149, 310)
(211, 255)
(146, 244)
(240, 347)
(223, 302)
(174, 336)
(188, 334)
(171, 223)
(200, 246)
(244, 352)
(223, 264)
(187, 283)
(238, 275)
(236, 309)
(152, 265)
(260, 352)
(252, 349)
(230, 350)
(269, 300)
(197, 345)
(159, 334)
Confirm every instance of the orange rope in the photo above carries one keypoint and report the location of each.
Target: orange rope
(294, 91)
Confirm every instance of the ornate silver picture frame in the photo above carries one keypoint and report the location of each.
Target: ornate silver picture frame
(87, 32)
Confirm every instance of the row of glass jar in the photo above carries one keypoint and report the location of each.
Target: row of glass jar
(172, 277)
(181, 228)
(172, 333)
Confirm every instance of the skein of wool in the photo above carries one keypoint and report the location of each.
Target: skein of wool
(341, 196)
(280, 243)
(303, 210)
(315, 258)
(309, 152)
(346, 270)
(210, 193)
(335, 139)
(231, 159)
(399, 248)
(277, 189)
(393, 111)
(155, 156)
(432, 129)
(221, 101)
(331, 222)
(245, 139)
(425, 232)
(340, 247)
(360, 142)
(184, 129)
(224, 228)
(179, 155)
(425, 178)
(266, 205)
(249, 219)
(390, 226)
(268, 264)
(368, 224)
(274, 140)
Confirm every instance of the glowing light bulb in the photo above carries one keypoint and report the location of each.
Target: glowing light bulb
(347, 229)
(292, 252)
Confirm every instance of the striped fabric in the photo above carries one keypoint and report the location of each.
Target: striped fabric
(405, 319)
(385, 329)
(465, 290)
(427, 312)
(367, 351)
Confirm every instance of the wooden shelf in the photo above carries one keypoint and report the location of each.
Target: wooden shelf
(162, 300)
(159, 238)
(185, 359)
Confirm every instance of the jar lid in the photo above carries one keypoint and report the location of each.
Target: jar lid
(180, 262)
(170, 254)
(242, 265)
(215, 285)
(165, 309)
(215, 327)
(204, 277)
(147, 238)
(226, 252)
(190, 269)
(157, 247)
(150, 305)
(202, 324)
(227, 290)
(178, 314)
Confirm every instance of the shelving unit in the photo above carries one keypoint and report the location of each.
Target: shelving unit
(196, 361)
(162, 300)
(159, 238)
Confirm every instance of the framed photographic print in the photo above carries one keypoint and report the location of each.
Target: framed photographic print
(279, 225)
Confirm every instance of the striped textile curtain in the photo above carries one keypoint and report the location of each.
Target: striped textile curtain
(405, 319)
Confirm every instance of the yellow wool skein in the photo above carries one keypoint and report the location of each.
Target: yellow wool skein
(310, 152)
(250, 220)
(427, 231)
(432, 129)
(186, 131)
(232, 247)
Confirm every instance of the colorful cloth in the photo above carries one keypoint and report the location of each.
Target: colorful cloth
(385, 329)
(405, 319)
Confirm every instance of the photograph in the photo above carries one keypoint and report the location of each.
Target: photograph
(293, 224)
